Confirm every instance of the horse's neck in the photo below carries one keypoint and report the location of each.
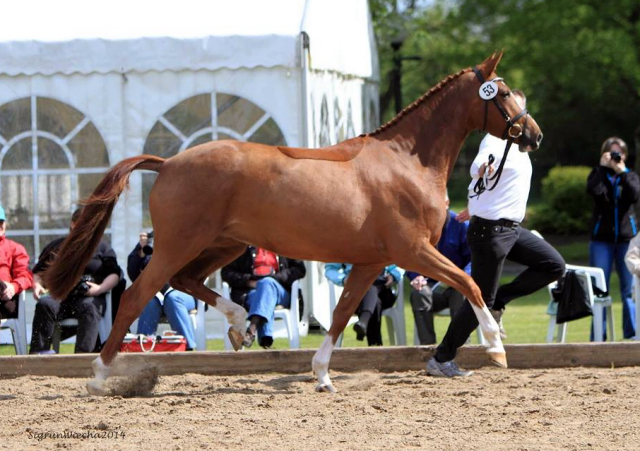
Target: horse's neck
(434, 132)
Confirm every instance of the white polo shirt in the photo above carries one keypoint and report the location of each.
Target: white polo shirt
(508, 200)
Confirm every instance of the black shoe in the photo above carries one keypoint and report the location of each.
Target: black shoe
(266, 342)
(361, 330)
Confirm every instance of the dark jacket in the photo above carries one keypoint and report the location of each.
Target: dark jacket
(614, 196)
(135, 265)
(240, 271)
(102, 264)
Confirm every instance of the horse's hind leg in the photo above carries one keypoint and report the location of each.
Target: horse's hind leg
(160, 268)
(359, 281)
(191, 277)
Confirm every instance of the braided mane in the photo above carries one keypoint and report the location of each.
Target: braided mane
(423, 98)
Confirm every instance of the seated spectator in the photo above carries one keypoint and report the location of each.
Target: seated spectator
(378, 298)
(86, 302)
(173, 303)
(260, 280)
(426, 299)
(632, 257)
(15, 276)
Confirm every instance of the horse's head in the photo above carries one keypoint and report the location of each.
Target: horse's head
(499, 111)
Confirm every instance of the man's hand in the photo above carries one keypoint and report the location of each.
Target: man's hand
(94, 289)
(9, 291)
(618, 168)
(252, 283)
(389, 280)
(418, 282)
(463, 215)
(484, 167)
(38, 290)
(605, 160)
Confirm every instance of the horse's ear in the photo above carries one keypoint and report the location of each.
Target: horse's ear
(490, 64)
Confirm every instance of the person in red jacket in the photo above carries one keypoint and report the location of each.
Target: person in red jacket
(15, 276)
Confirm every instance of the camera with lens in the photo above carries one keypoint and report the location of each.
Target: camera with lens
(80, 290)
(148, 248)
(616, 156)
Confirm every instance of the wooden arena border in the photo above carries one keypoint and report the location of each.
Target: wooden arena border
(384, 359)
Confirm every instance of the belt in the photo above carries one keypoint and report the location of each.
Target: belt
(508, 223)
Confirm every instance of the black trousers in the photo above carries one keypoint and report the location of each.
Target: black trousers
(88, 311)
(426, 302)
(490, 245)
(377, 299)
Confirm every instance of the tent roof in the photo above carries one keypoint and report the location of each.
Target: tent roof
(72, 36)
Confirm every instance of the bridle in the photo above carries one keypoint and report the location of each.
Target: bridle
(511, 132)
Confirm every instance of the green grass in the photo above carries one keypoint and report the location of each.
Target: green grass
(525, 319)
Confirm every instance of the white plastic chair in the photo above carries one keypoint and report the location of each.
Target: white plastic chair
(394, 315)
(599, 304)
(199, 328)
(18, 326)
(104, 326)
(290, 318)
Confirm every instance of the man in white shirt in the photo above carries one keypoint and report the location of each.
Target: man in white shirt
(494, 235)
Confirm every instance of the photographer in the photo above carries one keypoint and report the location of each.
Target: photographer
(615, 189)
(173, 303)
(86, 302)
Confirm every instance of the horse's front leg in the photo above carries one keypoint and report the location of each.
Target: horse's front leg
(433, 264)
(359, 280)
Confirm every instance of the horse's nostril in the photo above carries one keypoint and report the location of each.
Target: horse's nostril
(539, 138)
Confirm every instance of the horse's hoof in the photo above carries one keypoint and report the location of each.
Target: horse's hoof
(97, 387)
(235, 338)
(498, 359)
(325, 388)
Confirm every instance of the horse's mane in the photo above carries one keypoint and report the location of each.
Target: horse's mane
(423, 98)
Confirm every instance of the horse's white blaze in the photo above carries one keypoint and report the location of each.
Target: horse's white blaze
(490, 329)
(320, 362)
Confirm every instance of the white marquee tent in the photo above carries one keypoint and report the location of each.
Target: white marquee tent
(84, 85)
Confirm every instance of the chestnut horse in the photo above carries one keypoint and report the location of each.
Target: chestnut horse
(371, 201)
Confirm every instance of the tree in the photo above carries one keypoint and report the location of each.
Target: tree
(578, 62)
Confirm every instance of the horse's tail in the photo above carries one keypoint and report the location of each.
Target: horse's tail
(79, 246)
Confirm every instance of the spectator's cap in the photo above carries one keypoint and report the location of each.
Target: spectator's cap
(2, 217)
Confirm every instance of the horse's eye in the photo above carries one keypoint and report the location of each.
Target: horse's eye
(506, 94)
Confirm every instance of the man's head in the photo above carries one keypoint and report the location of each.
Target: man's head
(614, 145)
(3, 222)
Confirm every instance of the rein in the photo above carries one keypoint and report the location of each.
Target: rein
(483, 182)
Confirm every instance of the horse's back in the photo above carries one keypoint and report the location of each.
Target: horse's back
(344, 151)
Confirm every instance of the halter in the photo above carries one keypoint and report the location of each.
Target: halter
(511, 132)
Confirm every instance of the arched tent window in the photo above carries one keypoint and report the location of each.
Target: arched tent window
(51, 156)
(203, 118)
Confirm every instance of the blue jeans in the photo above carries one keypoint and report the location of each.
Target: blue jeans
(176, 307)
(602, 255)
(262, 302)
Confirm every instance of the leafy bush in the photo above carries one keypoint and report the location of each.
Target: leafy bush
(566, 207)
